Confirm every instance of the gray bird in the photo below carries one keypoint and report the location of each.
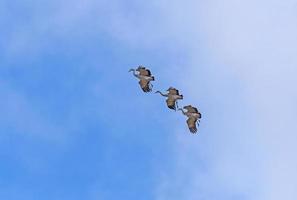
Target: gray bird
(194, 117)
(145, 77)
(172, 97)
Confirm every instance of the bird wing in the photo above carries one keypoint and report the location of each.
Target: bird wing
(144, 84)
(144, 72)
(148, 72)
(191, 109)
(173, 91)
(170, 103)
(192, 124)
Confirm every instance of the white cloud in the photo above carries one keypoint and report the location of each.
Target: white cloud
(253, 43)
(240, 69)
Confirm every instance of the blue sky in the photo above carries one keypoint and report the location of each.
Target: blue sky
(75, 125)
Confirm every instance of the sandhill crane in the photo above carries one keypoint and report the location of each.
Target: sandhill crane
(193, 116)
(172, 97)
(145, 77)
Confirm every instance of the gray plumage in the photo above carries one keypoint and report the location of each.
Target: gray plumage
(145, 77)
(172, 97)
(194, 117)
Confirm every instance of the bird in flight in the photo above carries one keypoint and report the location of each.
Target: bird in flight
(172, 97)
(145, 77)
(194, 117)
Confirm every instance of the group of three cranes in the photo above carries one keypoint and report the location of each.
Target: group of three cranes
(172, 94)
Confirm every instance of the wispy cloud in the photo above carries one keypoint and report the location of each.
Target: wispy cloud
(249, 152)
(235, 60)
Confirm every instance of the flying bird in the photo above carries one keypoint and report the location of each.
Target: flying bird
(194, 117)
(172, 97)
(145, 77)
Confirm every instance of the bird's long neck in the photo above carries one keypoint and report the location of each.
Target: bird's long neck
(182, 111)
(164, 95)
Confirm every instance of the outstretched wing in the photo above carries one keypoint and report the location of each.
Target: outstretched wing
(145, 85)
(144, 72)
(148, 72)
(191, 109)
(192, 124)
(173, 91)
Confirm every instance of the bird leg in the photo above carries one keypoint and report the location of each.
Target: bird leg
(177, 104)
(134, 73)
(198, 122)
(151, 86)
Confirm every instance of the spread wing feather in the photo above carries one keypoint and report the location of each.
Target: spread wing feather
(173, 91)
(144, 72)
(191, 109)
